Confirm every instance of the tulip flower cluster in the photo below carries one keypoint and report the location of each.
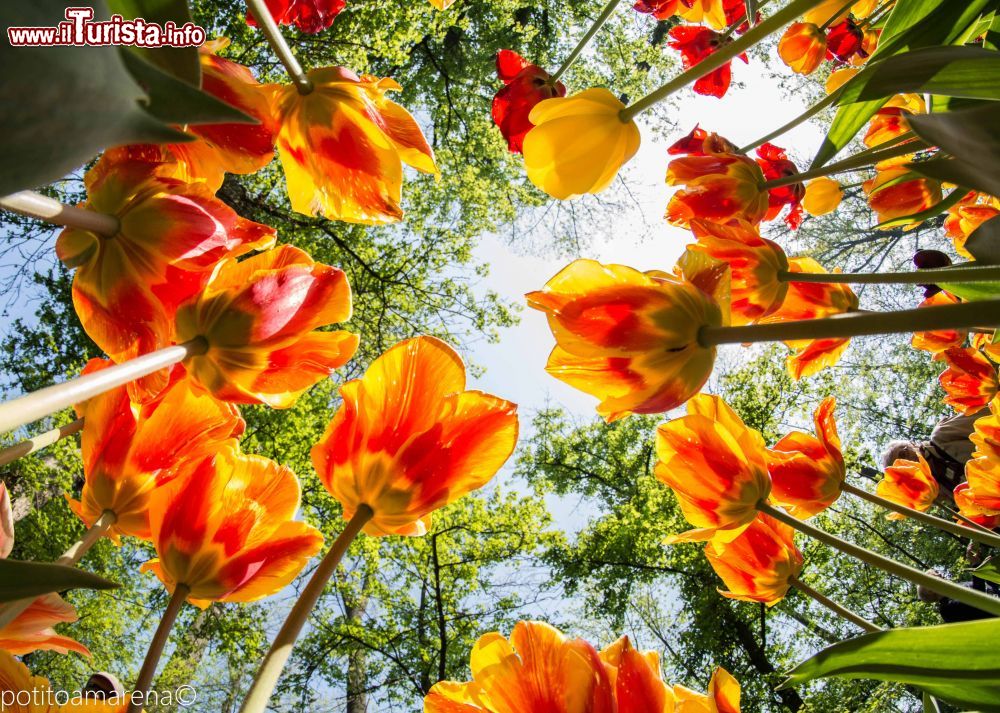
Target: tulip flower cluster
(539, 670)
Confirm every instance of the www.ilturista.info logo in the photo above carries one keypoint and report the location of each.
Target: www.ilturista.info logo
(79, 29)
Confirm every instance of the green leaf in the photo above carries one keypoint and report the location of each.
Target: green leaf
(180, 62)
(969, 72)
(984, 243)
(988, 570)
(177, 102)
(958, 663)
(21, 580)
(751, 6)
(61, 105)
(911, 25)
(971, 137)
(930, 704)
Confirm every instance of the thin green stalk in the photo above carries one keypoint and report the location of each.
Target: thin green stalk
(156, 646)
(858, 324)
(972, 524)
(987, 538)
(838, 609)
(876, 14)
(944, 587)
(37, 443)
(971, 273)
(585, 40)
(718, 58)
(281, 648)
(269, 27)
(809, 113)
(900, 146)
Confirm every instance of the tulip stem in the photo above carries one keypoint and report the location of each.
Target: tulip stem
(838, 609)
(899, 146)
(830, 20)
(937, 584)
(972, 524)
(11, 610)
(41, 403)
(724, 54)
(970, 273)
(858, 324)
(279, 44)
(35, 205)
(156, 646)
(281, 648)
(803, 117)
(37, 443)
(987, 538)
(582, 44)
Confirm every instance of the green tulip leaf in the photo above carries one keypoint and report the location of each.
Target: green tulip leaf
(968, 72)
(61, 105)
(21, 580)
(988, 570)
(957, 663)
(177, 102)
(971, 137)
(180, 62)
(911, 25)
(984, 243)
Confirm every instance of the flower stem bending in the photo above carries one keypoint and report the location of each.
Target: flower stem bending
(37, 443)
(156, 646)
(11, 610)
(41, 403)
(858, 324)
(35, 205)
(983, 602)
(281, 648)
(724, 54)
(838, 609)
(582, 44)
(986, 538)
(280, 46)
(969, 273)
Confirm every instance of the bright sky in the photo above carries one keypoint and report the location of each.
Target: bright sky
(515, 368)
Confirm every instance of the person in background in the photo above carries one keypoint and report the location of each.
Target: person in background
(952, 611)
(947, 451)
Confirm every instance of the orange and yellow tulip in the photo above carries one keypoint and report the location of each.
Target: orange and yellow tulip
(969, 506)
(718, 187)
(908, 483)
(128, 286)
(939, 340)
(637, 679)
(343, 146)
(890, 121)
(986, 433)
(218, 149)
(822, 196)
(803, 47)
(717, 468)
(409, 438)
(538, 670)
(755, 263)
(130, 449)
(983, 476)
(807, 472)
(970, 381)
(23, 693)
(759, 565)
(224, 529)
(813, 301)
(896, 193)
(578, 143)
(258, 320)
(723, 695)
(839, 78)
(963, 219)
(33, 630)
(629, 338)
(827, 12)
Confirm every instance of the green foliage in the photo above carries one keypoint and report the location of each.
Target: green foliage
(31, 579)
(958, 663)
